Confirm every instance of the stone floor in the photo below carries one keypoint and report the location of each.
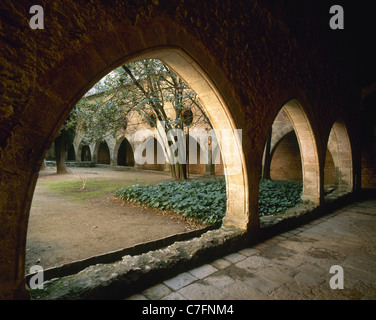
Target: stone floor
(293, 265)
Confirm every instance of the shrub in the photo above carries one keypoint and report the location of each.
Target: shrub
(205, 200)
(277, 196)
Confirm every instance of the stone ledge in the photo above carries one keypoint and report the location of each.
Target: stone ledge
(80, 164)
(133, 273)
(290, 214)
(304, 213)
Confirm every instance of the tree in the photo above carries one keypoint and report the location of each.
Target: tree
(61, 143)
(147, 87)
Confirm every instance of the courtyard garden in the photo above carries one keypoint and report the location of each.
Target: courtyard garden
(97, 210)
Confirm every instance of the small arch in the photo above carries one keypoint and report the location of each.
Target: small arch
(340, 149)
(294, 113)
(103, 153)
(84, 149)
(124, 153)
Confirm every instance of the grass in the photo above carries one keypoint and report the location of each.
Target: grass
(94, 188)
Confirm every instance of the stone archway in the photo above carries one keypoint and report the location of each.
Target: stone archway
(308, 150)
(62, 86)
(242, 78)
(124, 153)
(291, 130)
(84, 152)
(340, 149)
(102, 153)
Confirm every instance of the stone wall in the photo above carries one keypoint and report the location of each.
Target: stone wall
(245, 59)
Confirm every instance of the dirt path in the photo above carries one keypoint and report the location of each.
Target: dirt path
(61, 231)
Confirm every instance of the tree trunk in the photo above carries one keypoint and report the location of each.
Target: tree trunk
(178, 171)
(60, 155)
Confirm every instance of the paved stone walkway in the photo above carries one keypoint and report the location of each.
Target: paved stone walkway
(292, 265)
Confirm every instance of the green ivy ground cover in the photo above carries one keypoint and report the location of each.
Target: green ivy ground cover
(205, 200)
(277, 196)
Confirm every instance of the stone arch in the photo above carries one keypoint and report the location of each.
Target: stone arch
(70, 76)
(308, 150)
(102, 152)
(281, 126)
(83, 152)
(285, 162)
(339, 147)
(123, 153)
